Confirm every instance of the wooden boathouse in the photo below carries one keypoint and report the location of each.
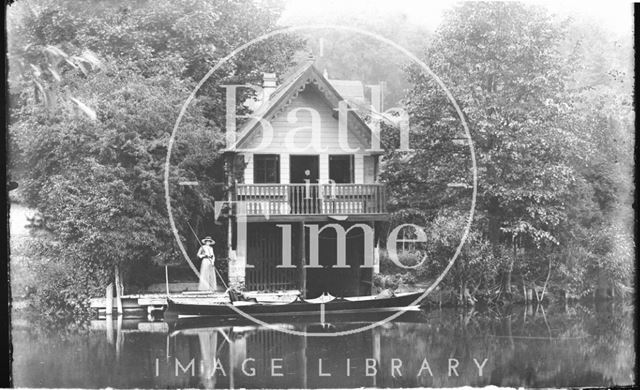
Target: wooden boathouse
(293, 197)
(312, 168)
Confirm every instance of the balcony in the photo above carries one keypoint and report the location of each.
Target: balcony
(312, 202)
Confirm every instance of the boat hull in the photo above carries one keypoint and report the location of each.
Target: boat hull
(335, 318)
(300, 307)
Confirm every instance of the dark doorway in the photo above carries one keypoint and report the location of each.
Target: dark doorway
(299, 164)
(264, 253)
(339, 282)
(302, 198)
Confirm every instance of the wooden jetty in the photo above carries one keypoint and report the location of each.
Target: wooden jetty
(130, 326)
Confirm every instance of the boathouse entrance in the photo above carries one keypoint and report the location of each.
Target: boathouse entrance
(264, 254)
(339, 282)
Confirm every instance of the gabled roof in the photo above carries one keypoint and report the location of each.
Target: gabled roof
(288, 90)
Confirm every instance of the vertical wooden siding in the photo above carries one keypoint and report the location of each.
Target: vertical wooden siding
(264, 252)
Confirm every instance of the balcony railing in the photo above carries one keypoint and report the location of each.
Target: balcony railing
(312, 199)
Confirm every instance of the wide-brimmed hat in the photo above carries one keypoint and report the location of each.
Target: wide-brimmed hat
(208, 240)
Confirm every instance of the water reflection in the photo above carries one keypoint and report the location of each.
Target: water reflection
(532, 347)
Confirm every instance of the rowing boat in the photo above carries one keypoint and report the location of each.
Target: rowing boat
(326, 303)
(331, 321)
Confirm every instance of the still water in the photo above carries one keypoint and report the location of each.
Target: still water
(520, 346)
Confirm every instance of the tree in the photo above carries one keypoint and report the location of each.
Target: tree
(501, 64)
(100, 178)
(354, 56)
(600, 245)
(509, 69)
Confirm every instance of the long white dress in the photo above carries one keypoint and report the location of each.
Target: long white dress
(207, 269)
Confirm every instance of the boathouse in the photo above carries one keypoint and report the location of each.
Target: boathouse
(300, 183)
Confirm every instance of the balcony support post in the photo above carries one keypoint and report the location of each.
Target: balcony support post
(303, 261)
(238, 264)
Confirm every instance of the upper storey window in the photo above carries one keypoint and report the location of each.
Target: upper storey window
(341, 168)
(266, 168)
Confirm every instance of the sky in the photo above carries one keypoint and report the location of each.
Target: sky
(615, 16)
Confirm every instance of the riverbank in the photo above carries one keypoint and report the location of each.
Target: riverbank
(443, 297)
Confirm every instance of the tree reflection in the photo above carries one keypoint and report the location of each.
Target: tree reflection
(524, 346)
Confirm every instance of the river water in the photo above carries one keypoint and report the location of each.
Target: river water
(556, 346)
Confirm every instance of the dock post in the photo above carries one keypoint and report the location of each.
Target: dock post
(109, 301)
(118, 290)
(529, 297)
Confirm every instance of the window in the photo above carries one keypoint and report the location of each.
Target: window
(341, 168)
(266, 168)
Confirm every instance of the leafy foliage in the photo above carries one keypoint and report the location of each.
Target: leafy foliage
(93, 162)
(552, 182)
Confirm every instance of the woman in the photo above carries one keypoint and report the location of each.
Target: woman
(207, 268)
